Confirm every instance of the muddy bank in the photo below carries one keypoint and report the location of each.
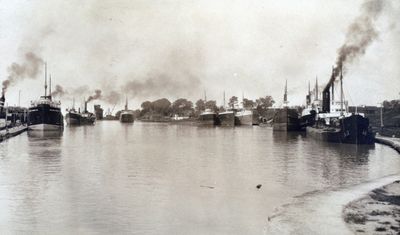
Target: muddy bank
(376, 213)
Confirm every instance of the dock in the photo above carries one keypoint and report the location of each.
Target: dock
(12, 131)
(389, 141)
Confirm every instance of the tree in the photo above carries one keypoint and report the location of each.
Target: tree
(162, 106)
(211, 104)
(265, 102)
(200, 106)
(248, 104)
(147, 106)
(233, 101)
(182, 107)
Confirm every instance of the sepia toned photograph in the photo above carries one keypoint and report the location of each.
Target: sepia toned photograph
(192, 117)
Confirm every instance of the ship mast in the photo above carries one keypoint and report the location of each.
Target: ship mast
(308, 97)
(50, 86)
(45, 79)
(316, 88)
(224, 99)
(126, 102)
(285, 95)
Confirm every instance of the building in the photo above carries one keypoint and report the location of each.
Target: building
(98, 112)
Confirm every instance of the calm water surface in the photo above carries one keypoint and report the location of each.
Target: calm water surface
(150, 178)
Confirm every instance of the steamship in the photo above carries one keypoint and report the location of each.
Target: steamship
(208, 118)
(335, 124)
(313, 106)
(286, 118)
(246, 117)
(227, 118)
(74, 117)
(126, 115)
(3, 114)
(45, 114)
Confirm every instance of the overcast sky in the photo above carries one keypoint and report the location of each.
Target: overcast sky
(173, 49)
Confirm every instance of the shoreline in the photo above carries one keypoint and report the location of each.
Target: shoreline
(376, 213)
(389, 141)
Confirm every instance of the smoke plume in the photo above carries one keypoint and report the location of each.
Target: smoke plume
(29, 68)
(112, 97)
(360, 34)
(161, 84)
(59, 91)
(96, 96)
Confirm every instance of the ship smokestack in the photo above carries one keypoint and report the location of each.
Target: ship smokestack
(85, 110)
(2, 100)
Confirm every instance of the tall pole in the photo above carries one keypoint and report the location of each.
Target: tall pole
(316, 88)
(224, 99)
(45, 78)
(285, 95)
(381, 115)
(50, 85)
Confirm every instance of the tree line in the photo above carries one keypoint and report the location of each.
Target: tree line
(185, 108)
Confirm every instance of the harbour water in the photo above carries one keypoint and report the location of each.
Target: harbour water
(157, 178)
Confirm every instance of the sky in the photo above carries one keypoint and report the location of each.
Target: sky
(147, 50)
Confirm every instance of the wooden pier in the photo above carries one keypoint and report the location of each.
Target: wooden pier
(12, 131)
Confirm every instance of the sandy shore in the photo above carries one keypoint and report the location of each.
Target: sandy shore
(376, 213)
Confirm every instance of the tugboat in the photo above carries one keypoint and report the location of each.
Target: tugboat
(126, 115)
(286, 118)
(45, 114)
(335, 124)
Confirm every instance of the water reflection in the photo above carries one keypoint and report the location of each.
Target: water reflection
(44, 135)
(146, 177)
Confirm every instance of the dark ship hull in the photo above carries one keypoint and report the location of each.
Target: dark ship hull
(45, 117)
(286, 119)
(88, 119)
(126, 118)
(73, 118)
(227, 118)
(80, 119)
(209, 119)
(350, 130)
(307, 120)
